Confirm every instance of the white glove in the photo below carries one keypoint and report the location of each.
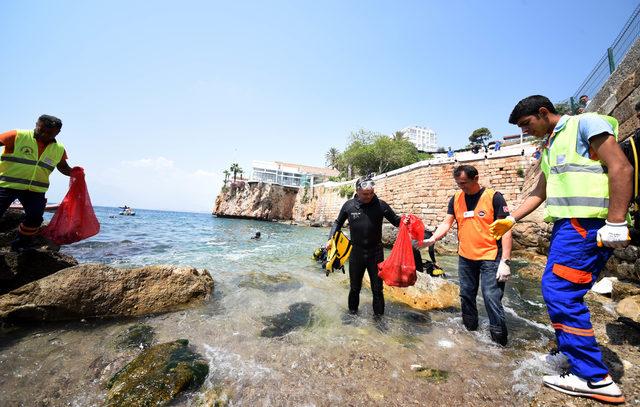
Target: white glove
(615, 235)
(429, 242)
(504, 272)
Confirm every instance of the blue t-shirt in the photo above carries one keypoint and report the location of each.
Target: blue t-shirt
(588, 127)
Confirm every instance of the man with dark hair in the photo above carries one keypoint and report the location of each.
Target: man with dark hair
(586, 183)
(481, 259)
(365, 213)
(28, 159)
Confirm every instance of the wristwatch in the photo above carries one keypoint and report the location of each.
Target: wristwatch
(507, 262)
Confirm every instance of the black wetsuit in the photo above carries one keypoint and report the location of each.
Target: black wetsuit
(365, 226)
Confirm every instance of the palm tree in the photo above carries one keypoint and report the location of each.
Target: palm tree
(235, 168)
(398, 135)
(226, 175)
(332, 157)
(240, 172)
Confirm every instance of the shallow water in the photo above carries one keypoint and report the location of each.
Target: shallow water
(275, 330)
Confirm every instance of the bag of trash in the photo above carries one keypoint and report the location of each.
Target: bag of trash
(75, 219)
(399, 270)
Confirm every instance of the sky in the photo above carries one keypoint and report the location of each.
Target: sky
(159, 98)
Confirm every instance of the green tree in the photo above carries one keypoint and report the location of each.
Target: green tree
(369, 153)
(235, 168)
(398, 135)
(563, 108)
(226, 175)
(332, 157)
(480, 136)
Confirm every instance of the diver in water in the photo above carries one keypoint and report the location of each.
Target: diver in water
(257, 236)
(365, 213)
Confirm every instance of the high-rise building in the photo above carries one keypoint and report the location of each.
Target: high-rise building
(423, 138)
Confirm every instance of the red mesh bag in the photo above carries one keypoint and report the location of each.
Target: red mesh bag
(75, 219)
(399, 269)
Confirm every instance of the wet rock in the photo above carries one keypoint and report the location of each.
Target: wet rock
(629, 309)
(135, 336)
(299, 315)
(92, 290)
(622, 289)
(157, 376)
(628, 254)
(428, 293)
(18, 269)
(270, 283)
(429, 374)
(530, 271)
(217, 396)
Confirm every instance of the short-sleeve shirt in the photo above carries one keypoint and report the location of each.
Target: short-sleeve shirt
(589, 126)
(8, 140)
(500, 208)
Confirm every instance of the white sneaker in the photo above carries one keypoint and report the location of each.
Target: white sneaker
(604, 390)
(556, 359)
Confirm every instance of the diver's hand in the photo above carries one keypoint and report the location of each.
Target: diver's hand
(614, 235)
(501, 226)
(504, 272)
(328, 244)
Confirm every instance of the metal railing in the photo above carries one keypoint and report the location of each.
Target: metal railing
(610, 60)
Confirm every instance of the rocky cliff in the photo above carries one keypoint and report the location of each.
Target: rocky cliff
(256, 200)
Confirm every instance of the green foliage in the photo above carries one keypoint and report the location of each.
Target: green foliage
(370, 152)
(520, 172)
(235, 168)
(480, 136)
(441, 150)
(337, 179)
(332, 157)
(563, 107)
(346, 191)
(305, 195)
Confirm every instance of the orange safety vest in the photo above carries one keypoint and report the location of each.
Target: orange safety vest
(474, 240)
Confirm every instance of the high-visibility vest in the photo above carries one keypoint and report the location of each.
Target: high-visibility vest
(23, 170)
(577, 186)
(474, 240)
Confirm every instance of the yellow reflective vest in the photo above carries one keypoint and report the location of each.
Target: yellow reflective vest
(577, 186)
(23, 170)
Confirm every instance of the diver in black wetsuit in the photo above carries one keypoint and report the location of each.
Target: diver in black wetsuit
(365, 213)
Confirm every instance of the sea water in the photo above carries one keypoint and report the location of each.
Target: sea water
(276, 331)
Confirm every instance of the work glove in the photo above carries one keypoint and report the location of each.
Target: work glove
(501, 226)
(429, 242)
(504, 272)
(614, 235)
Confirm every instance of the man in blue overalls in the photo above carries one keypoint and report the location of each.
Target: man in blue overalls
(586, 183)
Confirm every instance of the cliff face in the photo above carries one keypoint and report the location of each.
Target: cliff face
(256, 200)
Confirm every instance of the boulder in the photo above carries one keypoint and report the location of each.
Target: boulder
(92, 290)
(18, 269)
(157, 376)
(428, 293)
(622, 289)
(629, 309)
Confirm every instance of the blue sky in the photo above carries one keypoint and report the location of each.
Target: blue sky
(158, 98)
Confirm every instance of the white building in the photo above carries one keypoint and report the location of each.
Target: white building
(423, 138)
(288, 174)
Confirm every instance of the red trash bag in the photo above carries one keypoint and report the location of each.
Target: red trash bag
(399, 270)
(75, 219)
(416, 228)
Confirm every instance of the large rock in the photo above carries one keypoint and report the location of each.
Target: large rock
(97, 290)
(427, 294)
(622, 289)
(629, 309)
(18, 269)
(256, 200)
(157, 376)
